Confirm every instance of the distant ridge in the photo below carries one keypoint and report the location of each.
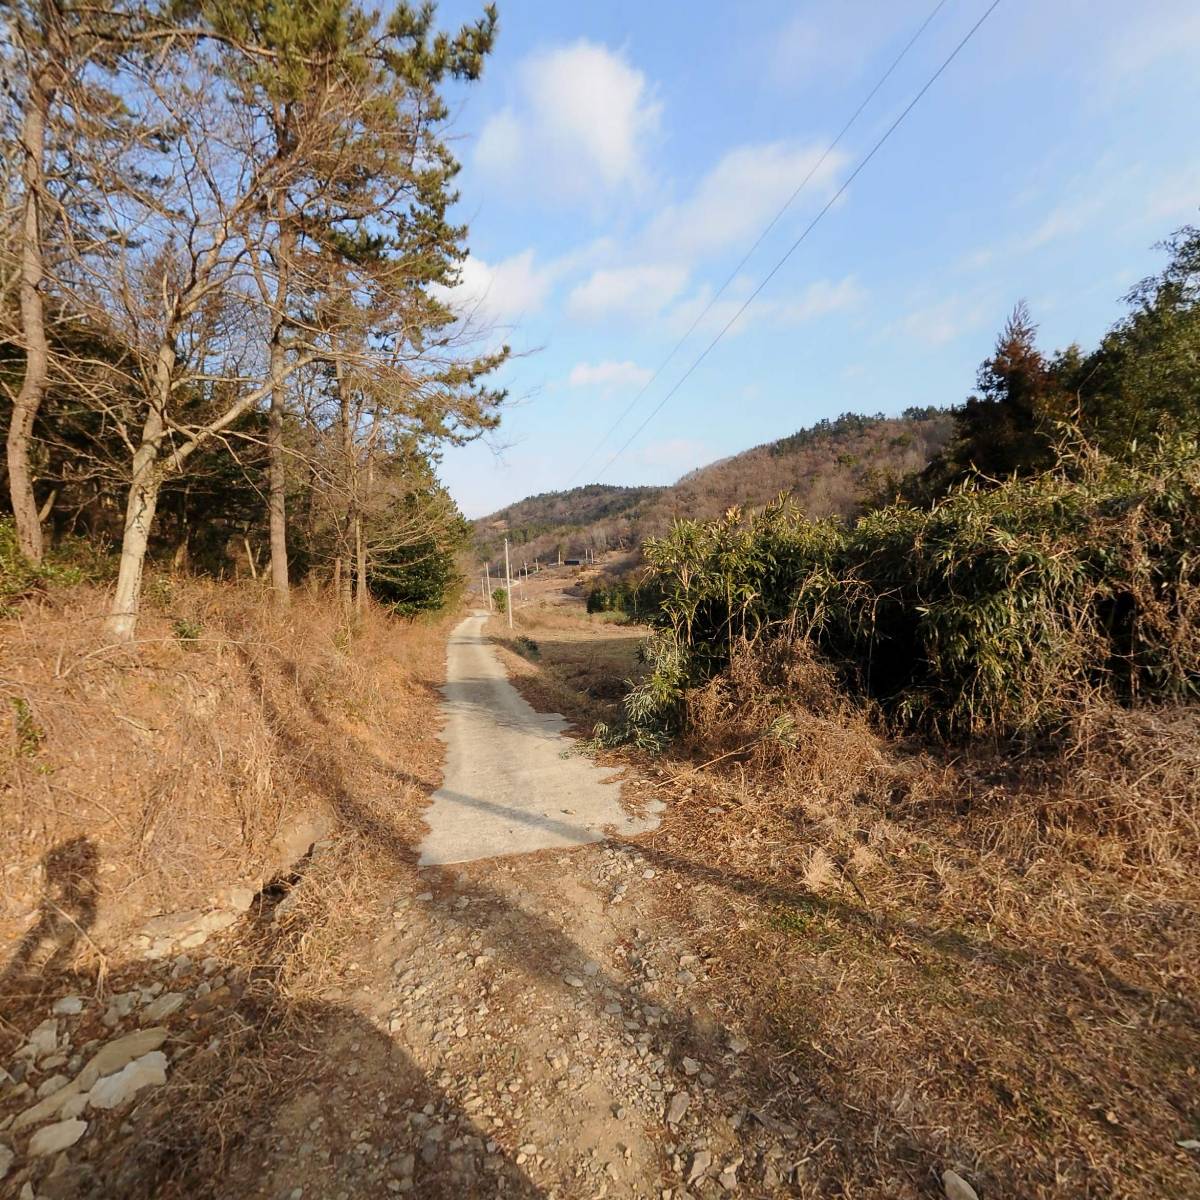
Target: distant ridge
(827, 467)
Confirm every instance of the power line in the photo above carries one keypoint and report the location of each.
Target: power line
(808, 229)
(762, 236)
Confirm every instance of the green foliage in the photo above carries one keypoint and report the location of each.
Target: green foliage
(19, 578)
(827, 431)
(631, 594)
(828, 468)
(997, 611)
(159, 591)
(500, 599)
(418, 573)
(1007, 427)
(187, 631)
(653, 708)
(559, 513)
(1141, 381)
(416, 579)
(1145, 376)
(528, 648)
(29, 734)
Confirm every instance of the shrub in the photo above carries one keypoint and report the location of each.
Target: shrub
(187, 631)
(19, 578)
(415, 579)
(630, 594)
(998, 611)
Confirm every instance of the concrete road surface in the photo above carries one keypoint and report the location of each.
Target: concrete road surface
(512, 782)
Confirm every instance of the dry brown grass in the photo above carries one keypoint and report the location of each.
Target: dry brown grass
(984, 963)
(566, 660)
(184, 761)
(175, 767)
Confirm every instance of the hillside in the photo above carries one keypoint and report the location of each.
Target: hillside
(542, 521)
(826, 467)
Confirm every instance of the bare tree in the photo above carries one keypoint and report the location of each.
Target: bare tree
(51, 50)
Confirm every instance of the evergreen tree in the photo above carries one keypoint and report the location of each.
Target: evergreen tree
(1007, 427)
(1144, 378)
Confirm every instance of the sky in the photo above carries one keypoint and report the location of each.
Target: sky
(619, 159)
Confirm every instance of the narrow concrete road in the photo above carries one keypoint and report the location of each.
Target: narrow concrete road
(512, 782)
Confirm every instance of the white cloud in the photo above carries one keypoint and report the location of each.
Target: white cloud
(729, 208)
(631, 292)
(695, 311)
(674, 453)
(1177, 197)
(1064, 220)
(501, 292)
(581, 122)
(608, 375)
(818, 299)
(938, 324)
(500, 143)
(977, 260)
(738, 196)
(1162, 29)
(821, 39)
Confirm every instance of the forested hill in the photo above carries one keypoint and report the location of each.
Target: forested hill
(561, 515)
(827, 467)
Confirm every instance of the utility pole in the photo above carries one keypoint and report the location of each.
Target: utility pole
(487, 583)
(508, 577)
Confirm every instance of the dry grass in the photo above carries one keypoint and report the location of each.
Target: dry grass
(184, 763)
(985, 964)
(567, 661)
(175, 768)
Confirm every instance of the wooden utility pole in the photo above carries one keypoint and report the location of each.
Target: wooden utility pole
(508, 577)
(487, 583)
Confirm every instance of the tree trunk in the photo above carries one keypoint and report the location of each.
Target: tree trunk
(33, 324)
(342, 567)
(277, 503)
(139, 517)
(360, 574)
(143, 500)
(362, 596)
(277, 499)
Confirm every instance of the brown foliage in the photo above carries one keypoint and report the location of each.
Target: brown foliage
(984, 962)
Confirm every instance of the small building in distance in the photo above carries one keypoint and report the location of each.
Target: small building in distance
(571, 562)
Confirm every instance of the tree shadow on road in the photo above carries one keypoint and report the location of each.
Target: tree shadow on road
(267, 1092)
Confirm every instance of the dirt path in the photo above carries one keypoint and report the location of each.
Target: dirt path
(528, 1026)
(512, 782)
(524, 1024)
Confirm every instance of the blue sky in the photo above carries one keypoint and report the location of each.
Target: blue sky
(619, 159)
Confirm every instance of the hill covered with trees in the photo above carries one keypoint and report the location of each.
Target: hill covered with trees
(827, 468)
(545, 523)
